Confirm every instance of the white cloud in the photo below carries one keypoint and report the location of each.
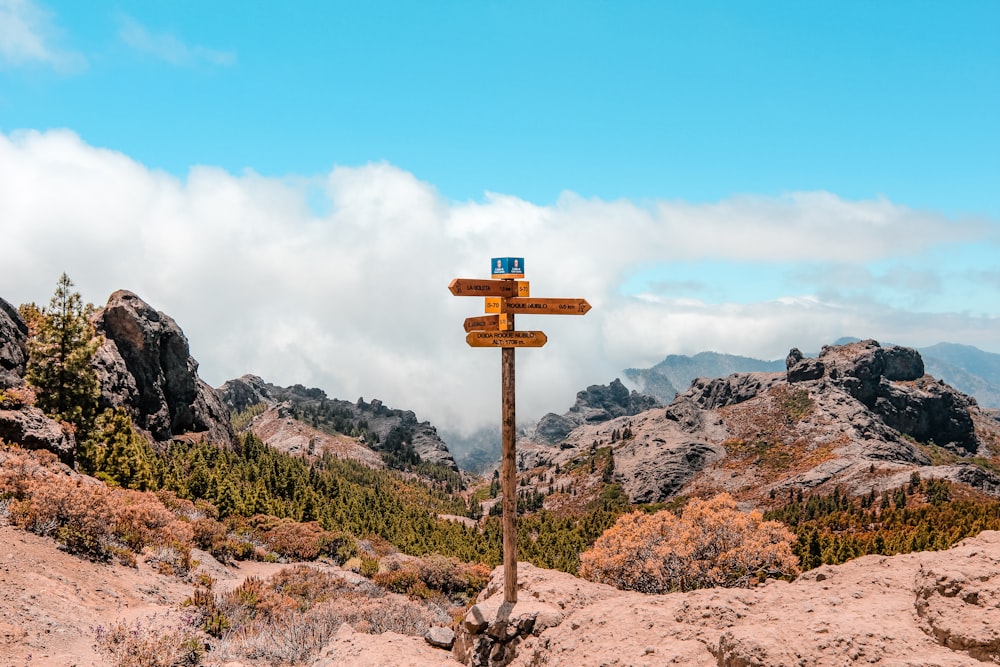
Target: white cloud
(29, 36)
(168, 47)
(355, 300)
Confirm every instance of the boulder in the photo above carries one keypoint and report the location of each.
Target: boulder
(440, 637)
(145, 365)
(804, 370)
(31, 429)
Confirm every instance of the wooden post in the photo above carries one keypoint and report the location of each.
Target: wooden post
(506, 293)
(508, 478)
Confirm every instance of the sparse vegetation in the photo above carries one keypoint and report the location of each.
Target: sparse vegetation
(140, 644)
(289, 617)
(923, 515)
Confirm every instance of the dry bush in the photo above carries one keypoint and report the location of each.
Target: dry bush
(139, 645)
(434, 576)
(293, 638)
(299, 541)
(19, 469)
(291, 616)
(13, 398)
(712, 543)
(87, 517)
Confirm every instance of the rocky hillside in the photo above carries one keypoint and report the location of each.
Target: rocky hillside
(968, 369)
(860, 415)
(144, 365)
(371, 426)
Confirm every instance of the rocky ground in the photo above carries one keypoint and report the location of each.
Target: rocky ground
(922, 609)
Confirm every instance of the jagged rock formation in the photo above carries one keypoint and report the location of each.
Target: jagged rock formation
(245, 392)
(13, 349)
(145, 365)
(594, 405)
(891, 382)
(859, 415)
(382, 422)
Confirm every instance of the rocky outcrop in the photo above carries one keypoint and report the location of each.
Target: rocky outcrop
(926, 608)
(13, 346)
(145, 366)
(710, 394)
(245, 392)
(594, 405)
(29, 428)
(890, 381)
(21, 424)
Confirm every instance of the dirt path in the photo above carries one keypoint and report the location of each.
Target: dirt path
(52, 602)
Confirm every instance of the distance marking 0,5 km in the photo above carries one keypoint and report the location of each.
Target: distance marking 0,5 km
(546, 306)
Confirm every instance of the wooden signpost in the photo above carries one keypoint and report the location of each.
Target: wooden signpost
(506, 294)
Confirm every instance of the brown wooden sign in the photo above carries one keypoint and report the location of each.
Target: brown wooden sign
(547, 306)
(478, 287)
(506, 338)
(483, 323)
(505, 298)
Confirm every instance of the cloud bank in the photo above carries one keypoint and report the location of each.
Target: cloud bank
(340, 280)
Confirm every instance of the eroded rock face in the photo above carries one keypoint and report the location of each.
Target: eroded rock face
(710, 394)
(959, 605)
(594, 405)
(145, 365)
(13, 346)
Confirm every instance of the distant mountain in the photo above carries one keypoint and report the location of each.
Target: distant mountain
(675, 373)
(969, 369)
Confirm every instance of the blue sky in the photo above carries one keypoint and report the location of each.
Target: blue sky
(743, 177)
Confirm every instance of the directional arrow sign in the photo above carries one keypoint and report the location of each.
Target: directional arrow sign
(484, 323)
(477, 287)
(546, 306)
(506, 338)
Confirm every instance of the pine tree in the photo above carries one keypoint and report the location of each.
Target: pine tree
(61, 345)
(120, 455)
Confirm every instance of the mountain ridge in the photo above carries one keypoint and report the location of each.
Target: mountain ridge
(969, 369)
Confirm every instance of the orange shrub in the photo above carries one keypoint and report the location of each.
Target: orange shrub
(87, 517)
(712, 543)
